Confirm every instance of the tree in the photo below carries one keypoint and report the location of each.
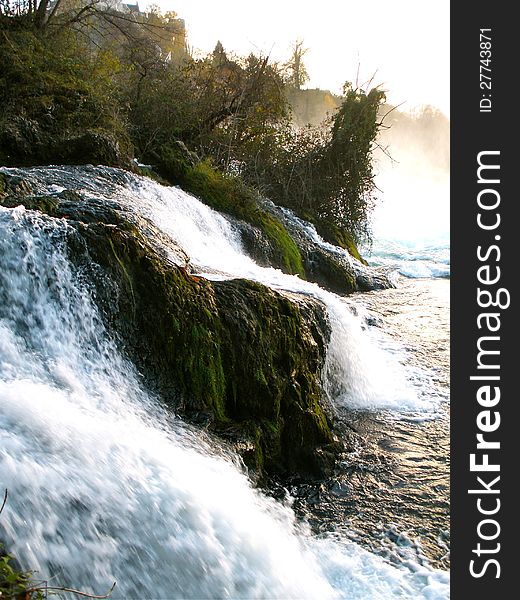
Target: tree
(211, 104)
(298, 75)
(56, 90)
(40, 14)
(346, 165)
(83, 68)
(219, 54)
(324, 173)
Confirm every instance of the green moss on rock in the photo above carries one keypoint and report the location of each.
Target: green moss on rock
(273, 361)
(239, 357)
(335, 235)
(330, 272)
(230, 195)
(233, 352)
(13, 189)
(166, 319)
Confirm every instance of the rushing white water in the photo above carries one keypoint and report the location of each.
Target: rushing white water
(416, 259)
(358, 373)
(105, 487)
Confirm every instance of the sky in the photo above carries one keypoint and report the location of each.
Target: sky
(404, 44)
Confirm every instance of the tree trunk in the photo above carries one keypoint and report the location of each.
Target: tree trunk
(40, 16)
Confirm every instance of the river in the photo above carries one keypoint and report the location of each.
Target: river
(105, 486)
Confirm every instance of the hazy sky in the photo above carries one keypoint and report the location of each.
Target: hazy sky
(405, 42)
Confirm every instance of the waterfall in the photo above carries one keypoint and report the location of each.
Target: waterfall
(105, 486)
(358, 374)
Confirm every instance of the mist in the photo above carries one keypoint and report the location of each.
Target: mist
(419, 138)
(412, 176)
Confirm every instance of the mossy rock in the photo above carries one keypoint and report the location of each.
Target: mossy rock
(267, 236)
(13, 189)
(20, 141)
(273, 353)
(339, 237)
(330, 272)
(231, 196)
(233, 354)
(96, 147)
(45, 204)
(26, 142)
(236, 356)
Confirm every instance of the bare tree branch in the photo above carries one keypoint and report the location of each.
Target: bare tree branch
(3, 503)
(71, 591)
(390, 111)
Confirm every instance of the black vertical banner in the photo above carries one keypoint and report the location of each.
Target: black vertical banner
(484, 310)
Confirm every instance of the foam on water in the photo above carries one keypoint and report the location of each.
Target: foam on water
(103, 486)
(411, 221)
(425, 258)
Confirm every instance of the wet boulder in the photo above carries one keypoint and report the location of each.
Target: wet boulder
(234, 356)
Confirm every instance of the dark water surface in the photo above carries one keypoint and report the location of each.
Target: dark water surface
(391, 492)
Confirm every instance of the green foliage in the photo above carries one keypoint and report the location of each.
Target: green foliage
(324, 173)
(211, 104)
(59, 83)
(95, 89)
(54, 89)
(14, 583)
(345, 169)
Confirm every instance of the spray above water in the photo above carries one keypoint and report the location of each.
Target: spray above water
(411, 221)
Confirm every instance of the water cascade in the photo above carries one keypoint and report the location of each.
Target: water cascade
(104, 485)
